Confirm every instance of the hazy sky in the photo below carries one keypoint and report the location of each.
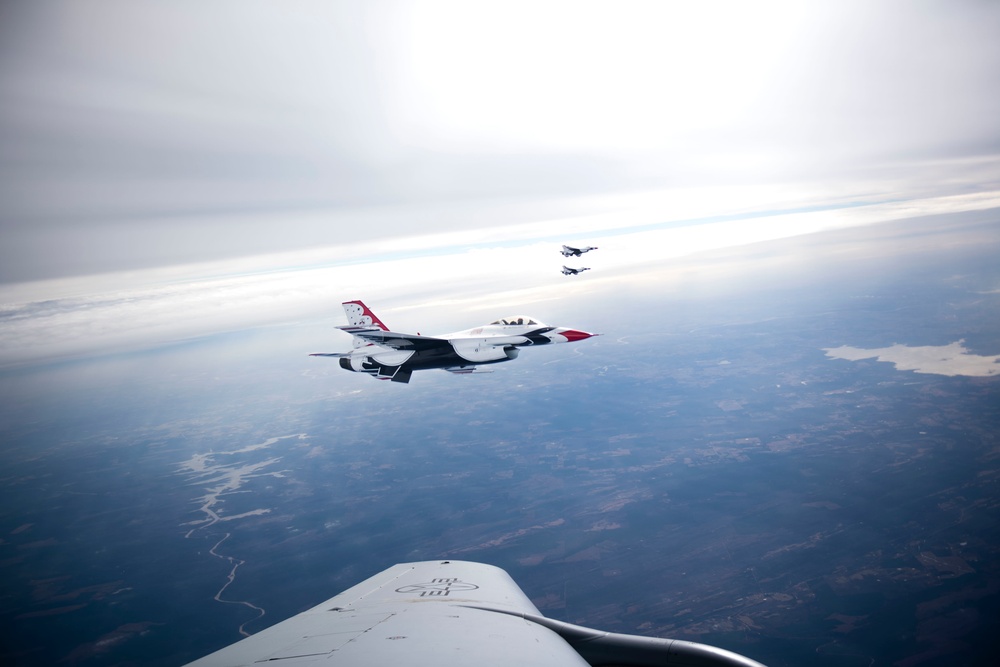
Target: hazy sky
(141, 132)
(138, 136)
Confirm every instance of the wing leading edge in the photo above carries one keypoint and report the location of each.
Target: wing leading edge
(449, 614)
(402, 341)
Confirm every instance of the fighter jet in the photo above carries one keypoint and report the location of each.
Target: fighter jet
(572, 272)
(570, 251)
(388, 355)
(450, 614)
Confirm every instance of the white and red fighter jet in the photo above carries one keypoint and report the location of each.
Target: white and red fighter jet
(388, 355)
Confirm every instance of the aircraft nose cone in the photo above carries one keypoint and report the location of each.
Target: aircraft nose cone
(572, 334)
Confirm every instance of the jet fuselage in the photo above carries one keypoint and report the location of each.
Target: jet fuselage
(394, 356)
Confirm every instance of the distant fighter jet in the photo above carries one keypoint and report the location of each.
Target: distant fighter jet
(572, 272)
(450, 614)
(388, 355)
(569, 251)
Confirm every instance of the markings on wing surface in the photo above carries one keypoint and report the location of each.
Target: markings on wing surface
(437, 587)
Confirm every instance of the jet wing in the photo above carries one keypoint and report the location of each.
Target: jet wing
(410, 614)
(450, 614)
(403, 341)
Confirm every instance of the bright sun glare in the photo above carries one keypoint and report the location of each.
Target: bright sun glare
(605, 78)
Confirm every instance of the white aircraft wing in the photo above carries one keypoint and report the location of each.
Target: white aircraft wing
(403, 341)
(410, 614)
(449, 614)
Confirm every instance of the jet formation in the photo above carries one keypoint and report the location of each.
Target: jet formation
(390, 355)
(570, 251)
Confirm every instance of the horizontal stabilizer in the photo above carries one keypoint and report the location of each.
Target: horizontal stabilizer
(354, 329)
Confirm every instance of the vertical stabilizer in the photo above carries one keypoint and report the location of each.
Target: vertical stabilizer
(359, 315)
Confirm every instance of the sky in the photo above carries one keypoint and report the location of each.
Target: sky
(171, 169)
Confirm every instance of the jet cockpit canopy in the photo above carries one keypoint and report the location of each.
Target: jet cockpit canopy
(519, 320)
